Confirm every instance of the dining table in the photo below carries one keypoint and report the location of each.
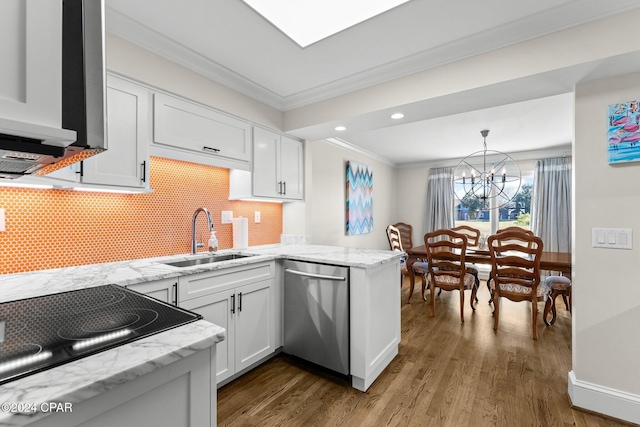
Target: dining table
(553, 261)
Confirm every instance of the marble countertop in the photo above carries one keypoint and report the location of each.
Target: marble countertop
(87, 377)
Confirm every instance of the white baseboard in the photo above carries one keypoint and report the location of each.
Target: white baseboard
(607, 401)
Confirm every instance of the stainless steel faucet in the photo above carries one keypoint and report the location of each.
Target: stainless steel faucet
(194, 245)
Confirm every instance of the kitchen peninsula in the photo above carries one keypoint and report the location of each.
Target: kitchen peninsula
(374, 314)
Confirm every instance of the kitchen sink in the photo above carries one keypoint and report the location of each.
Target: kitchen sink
(205, 260)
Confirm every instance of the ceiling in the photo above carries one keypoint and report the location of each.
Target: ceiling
(229, 42)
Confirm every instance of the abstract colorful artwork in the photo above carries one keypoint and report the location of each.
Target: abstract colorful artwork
(359, 218)
(624, 134)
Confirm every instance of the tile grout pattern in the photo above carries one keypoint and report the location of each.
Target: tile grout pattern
(60, 228)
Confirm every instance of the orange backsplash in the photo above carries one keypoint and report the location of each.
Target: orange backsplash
(60, 228)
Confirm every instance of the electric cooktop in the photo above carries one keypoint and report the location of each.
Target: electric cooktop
(42, 332)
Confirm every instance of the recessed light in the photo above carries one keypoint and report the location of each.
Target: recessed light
(397, 116)
(340, 128)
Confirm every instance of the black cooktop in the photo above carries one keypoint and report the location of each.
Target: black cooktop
(42, 332)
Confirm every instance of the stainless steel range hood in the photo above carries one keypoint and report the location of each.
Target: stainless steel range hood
(27, 148)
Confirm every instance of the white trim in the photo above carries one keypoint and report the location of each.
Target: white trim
(604, 400)
(355, 149)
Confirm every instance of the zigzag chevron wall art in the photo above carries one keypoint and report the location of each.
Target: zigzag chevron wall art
(359, 212)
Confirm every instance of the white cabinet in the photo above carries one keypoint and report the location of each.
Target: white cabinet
(164, 290)
(125, 163)
(188, 131)
(180, 394)
(277, 169)
(31, 71)
(247, 314)
(277, 165)
(243, 301)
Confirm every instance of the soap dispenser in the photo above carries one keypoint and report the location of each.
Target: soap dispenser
(213, 242)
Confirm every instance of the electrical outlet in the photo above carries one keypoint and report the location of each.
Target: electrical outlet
(256, 218)
(2, 221)
(227, 216)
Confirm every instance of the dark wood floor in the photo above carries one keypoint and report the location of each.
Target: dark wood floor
(446, 374)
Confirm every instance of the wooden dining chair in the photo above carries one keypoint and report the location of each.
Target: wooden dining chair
(446, 266)
(419, 268)
(473, 237)
(515, 272)
(558, 286)
(406, 234)
(514, 229)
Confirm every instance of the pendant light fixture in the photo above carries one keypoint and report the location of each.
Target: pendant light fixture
(490, 177)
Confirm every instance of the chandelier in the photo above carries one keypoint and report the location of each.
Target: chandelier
(490, 179)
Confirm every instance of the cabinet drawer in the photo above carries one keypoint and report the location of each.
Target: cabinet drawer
(184, 125)
(201, 284)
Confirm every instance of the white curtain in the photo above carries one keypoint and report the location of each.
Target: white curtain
(439, 208)
(551, 203)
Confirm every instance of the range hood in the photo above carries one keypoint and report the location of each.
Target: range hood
(28, 148)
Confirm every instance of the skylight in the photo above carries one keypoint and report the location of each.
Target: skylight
(309, 21)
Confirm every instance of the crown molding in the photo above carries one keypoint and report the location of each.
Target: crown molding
(148, 39)
(355, 149)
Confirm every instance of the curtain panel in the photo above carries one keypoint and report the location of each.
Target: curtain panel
(551, 203)
(439, 207)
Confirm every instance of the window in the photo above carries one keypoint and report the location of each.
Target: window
(516, 213)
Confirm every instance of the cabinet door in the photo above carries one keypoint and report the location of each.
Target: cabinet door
(291, 168)
(266, 181)
(163, 290)
(255, 323)
(217, 308)
(126, 161)
(185, 125)
(31, 71)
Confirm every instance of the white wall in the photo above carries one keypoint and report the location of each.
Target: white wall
(606, 317)
(325, 201)
(139, 64)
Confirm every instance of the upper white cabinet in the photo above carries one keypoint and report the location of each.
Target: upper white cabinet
(277, 169)
(192, 132)
(125, 164)
(31, 71)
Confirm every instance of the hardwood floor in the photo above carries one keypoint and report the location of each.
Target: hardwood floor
(446, 374)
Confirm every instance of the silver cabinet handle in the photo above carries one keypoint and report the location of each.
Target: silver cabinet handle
(233, 303)
(279, 187)
(284, 183)
(240, 301)
(215, 150)
(175, 293)
(315, 276)
(144, 171)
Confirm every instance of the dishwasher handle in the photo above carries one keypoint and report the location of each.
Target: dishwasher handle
(316, 276)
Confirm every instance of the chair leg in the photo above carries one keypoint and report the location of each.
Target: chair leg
(547, 308)
(432, 288)
(534, 317)
(496, 310)
(424, 287)
(569, 299)
(474, 297)
(411, 286)
(462, 305)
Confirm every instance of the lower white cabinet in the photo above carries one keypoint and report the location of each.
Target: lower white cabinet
(164, 290)
(179, 395)
(246, 312)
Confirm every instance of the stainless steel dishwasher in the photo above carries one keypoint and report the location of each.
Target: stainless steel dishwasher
(316, 314)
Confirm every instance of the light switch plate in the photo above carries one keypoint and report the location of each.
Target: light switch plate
(227, 216)
(256, 217)
(612, 238)
(3, 226)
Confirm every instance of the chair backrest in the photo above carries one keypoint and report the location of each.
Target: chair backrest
(473, 234)
(515, 260)
(445, 256)
(393, 234)
(515, 230)
(406, 231)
